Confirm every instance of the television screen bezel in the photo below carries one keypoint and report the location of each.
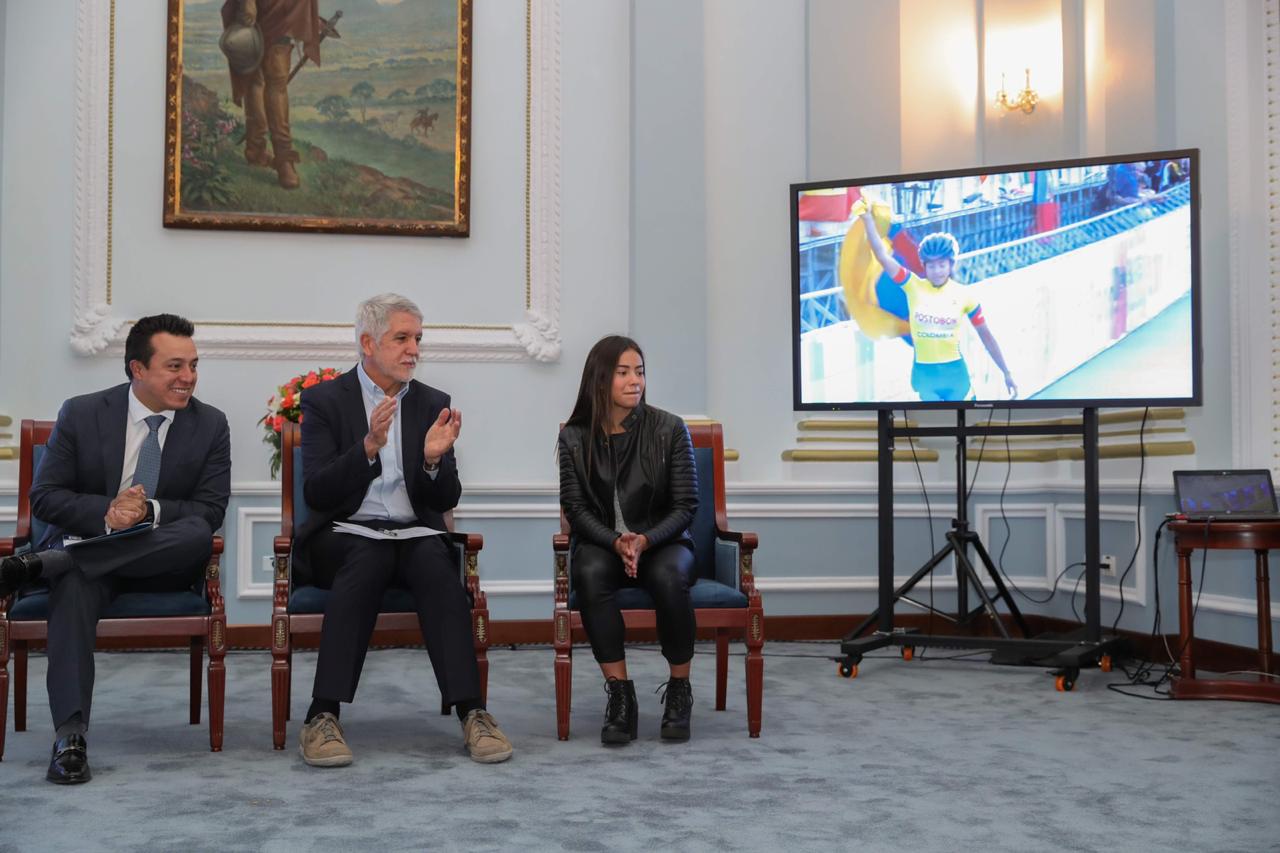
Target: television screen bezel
(1197, 357)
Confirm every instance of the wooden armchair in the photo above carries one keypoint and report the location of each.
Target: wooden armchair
(149, 617)
(724, 593)
(298, 611)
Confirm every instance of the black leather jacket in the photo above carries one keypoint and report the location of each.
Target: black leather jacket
(652, 464)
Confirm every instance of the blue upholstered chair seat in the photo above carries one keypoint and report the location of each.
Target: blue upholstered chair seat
(704, 593)
(312, 599)
(128, 605)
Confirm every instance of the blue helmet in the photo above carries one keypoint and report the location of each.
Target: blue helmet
(938, 246)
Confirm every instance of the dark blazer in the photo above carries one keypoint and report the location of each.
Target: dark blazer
(79, 473)
(336, 473)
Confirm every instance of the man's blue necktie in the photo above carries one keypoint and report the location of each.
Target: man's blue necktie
(147, 474)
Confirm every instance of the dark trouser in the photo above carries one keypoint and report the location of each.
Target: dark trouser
(170, 558)
(665, 573)
(358, 571)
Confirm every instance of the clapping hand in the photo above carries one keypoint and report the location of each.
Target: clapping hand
(127, 508)
(441, 436)
(379, 423)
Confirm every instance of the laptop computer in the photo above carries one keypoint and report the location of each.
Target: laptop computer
(1242, 495)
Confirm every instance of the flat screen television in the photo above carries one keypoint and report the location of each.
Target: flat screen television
(1062, 284)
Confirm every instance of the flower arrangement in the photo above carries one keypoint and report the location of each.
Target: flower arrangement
(288, 407)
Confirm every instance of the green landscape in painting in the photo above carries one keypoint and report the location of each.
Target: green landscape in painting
(373, 124)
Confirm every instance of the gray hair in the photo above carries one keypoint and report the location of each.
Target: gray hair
(373, 316)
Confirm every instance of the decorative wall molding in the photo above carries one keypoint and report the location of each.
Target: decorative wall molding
(98, 330)
(1272, 87)
(983, 515)
(246, 518)
(94, 325)
(1135, 594)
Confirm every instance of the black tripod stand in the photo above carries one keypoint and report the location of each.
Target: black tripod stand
(1068, 653)
(959, 539)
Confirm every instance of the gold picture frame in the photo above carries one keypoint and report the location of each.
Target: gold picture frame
(365, 133)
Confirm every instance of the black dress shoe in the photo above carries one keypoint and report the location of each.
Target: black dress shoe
(70, 762)
(18, 571)
(621, 713)
(678, 708)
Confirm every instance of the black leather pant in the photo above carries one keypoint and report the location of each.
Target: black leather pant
(666, 573)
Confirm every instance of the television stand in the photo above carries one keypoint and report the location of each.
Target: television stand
(1066, 654)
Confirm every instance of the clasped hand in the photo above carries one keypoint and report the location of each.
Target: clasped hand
(127, 508)
(629, 546)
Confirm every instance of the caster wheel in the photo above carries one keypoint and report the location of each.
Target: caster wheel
(1064, 683)
(848, 670)
(908, 652)
(1104, 663)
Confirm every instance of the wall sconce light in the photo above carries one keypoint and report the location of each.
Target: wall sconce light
(1026, 100)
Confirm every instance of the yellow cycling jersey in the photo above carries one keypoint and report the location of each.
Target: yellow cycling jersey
(934, 315)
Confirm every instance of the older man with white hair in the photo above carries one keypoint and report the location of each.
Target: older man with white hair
(377, 452)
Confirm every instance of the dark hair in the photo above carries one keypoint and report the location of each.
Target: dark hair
(595, 392)
(137, 346)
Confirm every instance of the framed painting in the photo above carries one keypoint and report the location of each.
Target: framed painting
(285, 115)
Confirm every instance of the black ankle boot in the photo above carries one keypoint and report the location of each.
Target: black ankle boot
(621, 713)
(677, 703)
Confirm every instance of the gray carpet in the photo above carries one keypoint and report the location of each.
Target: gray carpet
(920, 755)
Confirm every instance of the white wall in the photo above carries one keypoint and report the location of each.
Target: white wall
(682, 125)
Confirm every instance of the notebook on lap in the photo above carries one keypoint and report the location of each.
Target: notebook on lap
(1243, 495)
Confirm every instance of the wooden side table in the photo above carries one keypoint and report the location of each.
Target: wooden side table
(1255, 536)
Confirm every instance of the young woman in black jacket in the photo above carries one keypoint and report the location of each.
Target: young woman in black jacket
(629, 488)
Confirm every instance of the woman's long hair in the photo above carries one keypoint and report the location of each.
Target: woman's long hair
(595, 392)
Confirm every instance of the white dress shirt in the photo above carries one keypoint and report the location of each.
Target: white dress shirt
(388, 497)
(135, 433)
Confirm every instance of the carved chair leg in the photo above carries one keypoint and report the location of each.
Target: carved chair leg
(480, 635)
(4, 685)
(281, 678)
(197, 665)
(722, 667)
(20, 685)
(288, 689)
(4, 704)
(217, 680)
(564, 689)
(755, 670)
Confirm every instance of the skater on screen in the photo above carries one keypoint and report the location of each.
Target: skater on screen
(935, 305)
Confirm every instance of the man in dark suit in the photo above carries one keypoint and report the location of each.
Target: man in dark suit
(145, 457)
(377, 451)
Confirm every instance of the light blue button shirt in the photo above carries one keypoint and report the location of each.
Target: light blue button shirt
(388, 497)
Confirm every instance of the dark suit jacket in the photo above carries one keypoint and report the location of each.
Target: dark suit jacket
(79, 473)
(336, 473)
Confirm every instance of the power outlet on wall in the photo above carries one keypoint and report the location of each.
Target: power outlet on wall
(1108, 565)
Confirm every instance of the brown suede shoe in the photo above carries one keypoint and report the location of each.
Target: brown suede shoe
(321, 742)
(485, 742)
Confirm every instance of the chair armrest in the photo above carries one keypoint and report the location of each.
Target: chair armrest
(11, 545)
(282, 545)
(560, 568)
(734, 553)
(213, 578)
(470, 542)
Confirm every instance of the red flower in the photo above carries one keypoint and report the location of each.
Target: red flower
(311, 379)
(277, 423)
